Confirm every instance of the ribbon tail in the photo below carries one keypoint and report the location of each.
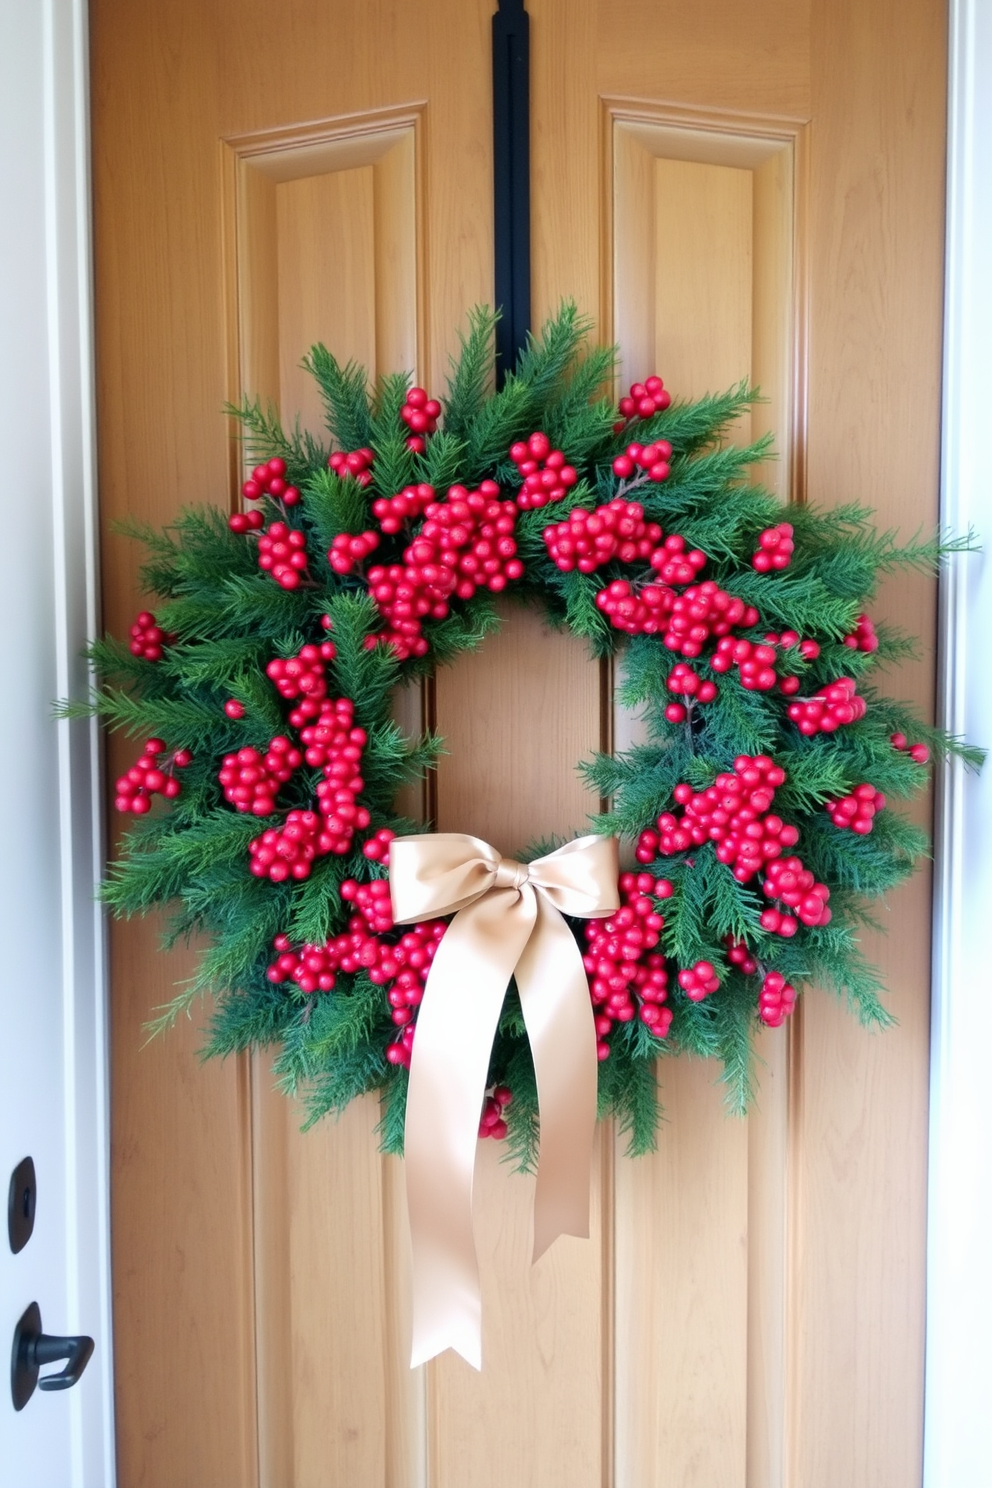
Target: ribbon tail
(456, 1027)
(554, 997)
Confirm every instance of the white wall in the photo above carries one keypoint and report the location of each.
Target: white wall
(53, 1081)
(958, 1451)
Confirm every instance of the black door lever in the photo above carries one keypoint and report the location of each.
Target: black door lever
(33, 1348)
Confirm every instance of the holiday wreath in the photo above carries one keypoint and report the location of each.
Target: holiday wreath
(758, 815)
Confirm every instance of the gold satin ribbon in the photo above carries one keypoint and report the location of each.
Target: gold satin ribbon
(508, 922)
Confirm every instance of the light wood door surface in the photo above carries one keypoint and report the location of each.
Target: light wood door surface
(731, 191)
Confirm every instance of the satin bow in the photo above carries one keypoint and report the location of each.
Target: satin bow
(508, 922)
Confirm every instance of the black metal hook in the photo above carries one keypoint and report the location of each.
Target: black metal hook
(32, 1349)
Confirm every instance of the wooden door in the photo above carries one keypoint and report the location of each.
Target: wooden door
(730, 190)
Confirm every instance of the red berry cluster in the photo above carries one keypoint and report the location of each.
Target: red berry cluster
(466, 543)
(776, 999)
(270, 480)
(392, 511)
(376, 849)
(312, 967)
(301, 676)
(863, 637)
(702, 611)
(372, 903)
(251, 780)
(738, 955)
(794, 886)
(857, 811)
(150, 775)
(775, 548)
(627, 978)
(546, 475)
(288, 851)
(492, 1123)
(347, 550)
(644, 611)
(282, 552)
(420, 414)
(357, 464)
(615, 532)
(699, 981)
(249, 521)
(918, 752)
(334, 743)
(651, 458)
(734, 813)
(148, 638)
(755, 660)
(684, 681)
(673, 564)
(402, 966)
(407, 964)
(645, 399)
(833, 706)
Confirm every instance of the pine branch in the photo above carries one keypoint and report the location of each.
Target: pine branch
(344, 392)
(471, 377)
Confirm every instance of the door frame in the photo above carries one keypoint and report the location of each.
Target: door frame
(49, 307)
(957, 1447)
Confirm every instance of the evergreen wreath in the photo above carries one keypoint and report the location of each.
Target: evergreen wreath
(758, 812)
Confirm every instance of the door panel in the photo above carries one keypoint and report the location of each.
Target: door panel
(730, 192)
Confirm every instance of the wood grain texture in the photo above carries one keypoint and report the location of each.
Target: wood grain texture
(704, 257)
(534, 1416)
(517, 719)
(876, 244)
(681, 1293)
(326, 278)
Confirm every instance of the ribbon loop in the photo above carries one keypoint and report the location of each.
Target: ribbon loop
(508, 922)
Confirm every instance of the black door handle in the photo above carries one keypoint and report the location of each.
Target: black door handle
(33, 1348)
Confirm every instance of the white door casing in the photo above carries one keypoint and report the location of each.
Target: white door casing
(958, 1444)
(53, 1060)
